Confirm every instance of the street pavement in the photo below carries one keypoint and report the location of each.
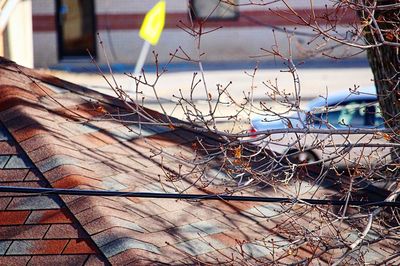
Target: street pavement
(313, 83)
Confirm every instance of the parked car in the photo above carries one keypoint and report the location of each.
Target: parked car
(343, 110)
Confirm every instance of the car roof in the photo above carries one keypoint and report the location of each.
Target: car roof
(365, 94)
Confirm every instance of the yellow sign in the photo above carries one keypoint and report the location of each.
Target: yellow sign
(153, 23)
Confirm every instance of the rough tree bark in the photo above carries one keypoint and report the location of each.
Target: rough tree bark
(382, 18)
(384, 59)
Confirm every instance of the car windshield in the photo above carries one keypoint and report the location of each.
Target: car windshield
(348, 114)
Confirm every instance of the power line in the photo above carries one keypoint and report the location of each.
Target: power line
(109, 193)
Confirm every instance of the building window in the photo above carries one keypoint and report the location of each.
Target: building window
(76, 27)
(214, 9)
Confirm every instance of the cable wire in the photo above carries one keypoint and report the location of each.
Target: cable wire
(109, 193)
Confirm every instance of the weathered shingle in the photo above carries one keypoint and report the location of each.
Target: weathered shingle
(18, 161)
(57, 216)
(13, 217)
(120, 245)
(35, 203)
(39, 247)
(4, 246)
(55, 161)
(3, 160)
(198, 246)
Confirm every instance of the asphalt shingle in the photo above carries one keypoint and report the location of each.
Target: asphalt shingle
(197, 247)
(112, 184)
(13, 217)
(78, 128)
(211, 226)
(107, 222)
(4, 246)
(79, 246)
(23, 231)
(18, 162)
(55, 161)
(40, 247)
(58, 260)
(57, 216)
(35, 203)
(255, 250)
(123, 244)
(267, 211)
(3, 160)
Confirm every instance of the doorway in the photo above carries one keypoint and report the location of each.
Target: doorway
(76, 28)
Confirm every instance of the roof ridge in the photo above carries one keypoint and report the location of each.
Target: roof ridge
(100, 97)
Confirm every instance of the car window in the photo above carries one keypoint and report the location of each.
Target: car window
(353, 114)
(331, 117)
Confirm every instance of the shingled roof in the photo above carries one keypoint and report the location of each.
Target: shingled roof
(60, 135)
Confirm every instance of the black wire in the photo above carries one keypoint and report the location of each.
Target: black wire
(109, 193)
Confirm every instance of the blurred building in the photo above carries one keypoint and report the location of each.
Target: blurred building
(64, 31)
(16, 31)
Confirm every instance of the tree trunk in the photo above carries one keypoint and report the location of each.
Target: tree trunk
(384, 61)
